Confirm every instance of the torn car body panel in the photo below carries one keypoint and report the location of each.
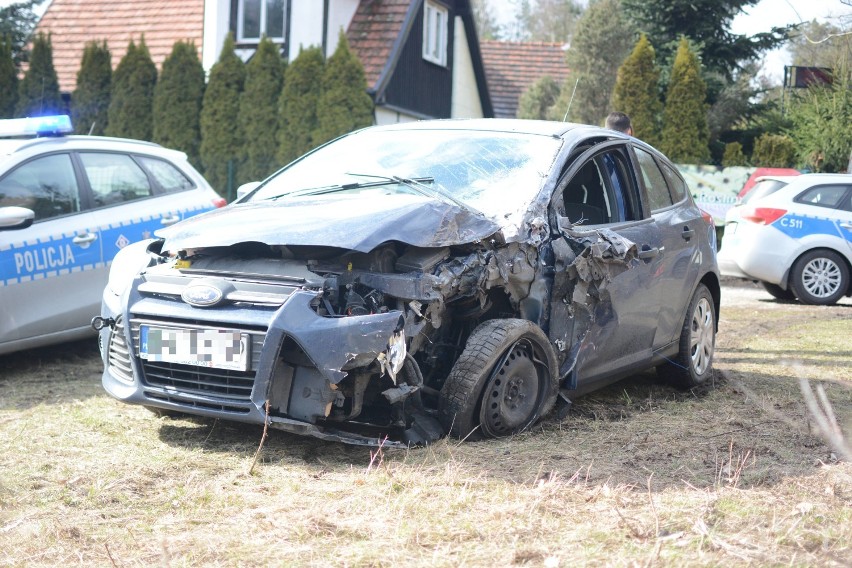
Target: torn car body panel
(347, 310)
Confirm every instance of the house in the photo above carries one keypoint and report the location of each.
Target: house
(421, 57)
(512, 67)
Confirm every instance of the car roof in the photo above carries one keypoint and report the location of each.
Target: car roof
(515, 125)
(10, 146)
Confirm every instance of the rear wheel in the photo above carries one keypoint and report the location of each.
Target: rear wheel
(504, 381)
(819, 277)
(778, 292)
(693, 363)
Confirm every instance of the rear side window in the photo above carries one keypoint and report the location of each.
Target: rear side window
(114, 178)
(763, 188)
(168, 176)
(45, 185)
(655, 183)
(676, 183)
(824, 196)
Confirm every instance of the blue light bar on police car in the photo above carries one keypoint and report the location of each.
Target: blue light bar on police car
(36, 126)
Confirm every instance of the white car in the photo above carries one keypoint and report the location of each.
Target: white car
(68, 204)
(795, 237)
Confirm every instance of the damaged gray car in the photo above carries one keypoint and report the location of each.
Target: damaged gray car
(406, 282)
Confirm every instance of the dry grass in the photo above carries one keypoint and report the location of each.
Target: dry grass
(636, 475)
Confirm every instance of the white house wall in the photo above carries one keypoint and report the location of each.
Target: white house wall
(340, 14)
(465, 103)
(387, 116)
(305, 25)
(216, 16)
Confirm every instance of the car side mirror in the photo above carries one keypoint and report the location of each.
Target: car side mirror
(247, 188)
(14, 218)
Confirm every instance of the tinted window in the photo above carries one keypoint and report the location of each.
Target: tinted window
(585, 196)
(823, 196)
(114, 178)
(46, 185)
(676, 183)
(168, 176)
(655, 183)
(763, 188)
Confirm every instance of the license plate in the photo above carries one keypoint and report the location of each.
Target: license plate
(214, 348)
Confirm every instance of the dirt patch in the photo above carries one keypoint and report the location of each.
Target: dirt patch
(638, 473)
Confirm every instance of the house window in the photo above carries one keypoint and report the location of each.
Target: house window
(435, 33)
(256, 18)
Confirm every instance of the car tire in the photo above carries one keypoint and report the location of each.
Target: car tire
(693, 363)
(509, 363)
(778, 292)
(819, 277)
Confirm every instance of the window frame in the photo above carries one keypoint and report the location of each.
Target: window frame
(263, 24)
(436, 26)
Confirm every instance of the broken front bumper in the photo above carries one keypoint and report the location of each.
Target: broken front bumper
(299, 392)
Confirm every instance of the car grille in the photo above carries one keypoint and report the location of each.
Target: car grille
(119, 355)
(223, 389)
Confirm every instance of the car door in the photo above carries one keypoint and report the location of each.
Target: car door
(821, 216)
(599, 191)
(134, 195)
(52, 272)
(678, 221)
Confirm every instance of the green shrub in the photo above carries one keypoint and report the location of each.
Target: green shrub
(132, 100)
(90, 103)
(685, 136)
(734, 155)
(177, 101)
(774, 151)
(298, 104)
(637, 93)
(38, 91)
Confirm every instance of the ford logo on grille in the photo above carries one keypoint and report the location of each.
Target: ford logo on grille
(202, 295)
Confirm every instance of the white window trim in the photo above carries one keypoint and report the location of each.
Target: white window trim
(242, 38)
(435, 33)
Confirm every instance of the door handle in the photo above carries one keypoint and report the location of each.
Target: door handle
(687, 233)
(84, 239)
(649, 252)
(170, 220)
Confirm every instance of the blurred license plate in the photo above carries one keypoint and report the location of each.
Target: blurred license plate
(215, 348)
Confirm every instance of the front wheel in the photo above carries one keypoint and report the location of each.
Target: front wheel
(694, 360)
(504, 381)
(819, 277)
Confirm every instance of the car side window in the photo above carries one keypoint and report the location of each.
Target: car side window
(585, 196)
(169, 178)
(655, 182)
(823, 196)
(46, 185)
(114, 178)
(676, 183)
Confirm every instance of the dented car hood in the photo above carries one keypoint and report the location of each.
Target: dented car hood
(356, 222)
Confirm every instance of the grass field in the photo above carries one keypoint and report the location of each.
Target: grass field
(638, 474)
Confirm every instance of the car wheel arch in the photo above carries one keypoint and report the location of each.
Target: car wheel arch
(844, 258)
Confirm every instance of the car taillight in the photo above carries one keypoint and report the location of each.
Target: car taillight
(763, 215)
(708, 218)
(219, 202)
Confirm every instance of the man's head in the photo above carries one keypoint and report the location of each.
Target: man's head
(619, 121)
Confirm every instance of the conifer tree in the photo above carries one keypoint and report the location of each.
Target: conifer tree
(177, 101)
(600, 44)
(537, 101)
(133, 94)
(38, 91)
(774, 151)
(258, 117)
(298, 104)
(685, 134)
(221, 143)
(90, 103)
(344, 104)
(8, 80)
(733, 155)
(636, 92)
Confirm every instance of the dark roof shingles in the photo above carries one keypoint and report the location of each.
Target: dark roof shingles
(375, 27)
(73, 23)
(511, 67)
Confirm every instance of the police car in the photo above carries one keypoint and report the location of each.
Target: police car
(796, 239)
(68, 204)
